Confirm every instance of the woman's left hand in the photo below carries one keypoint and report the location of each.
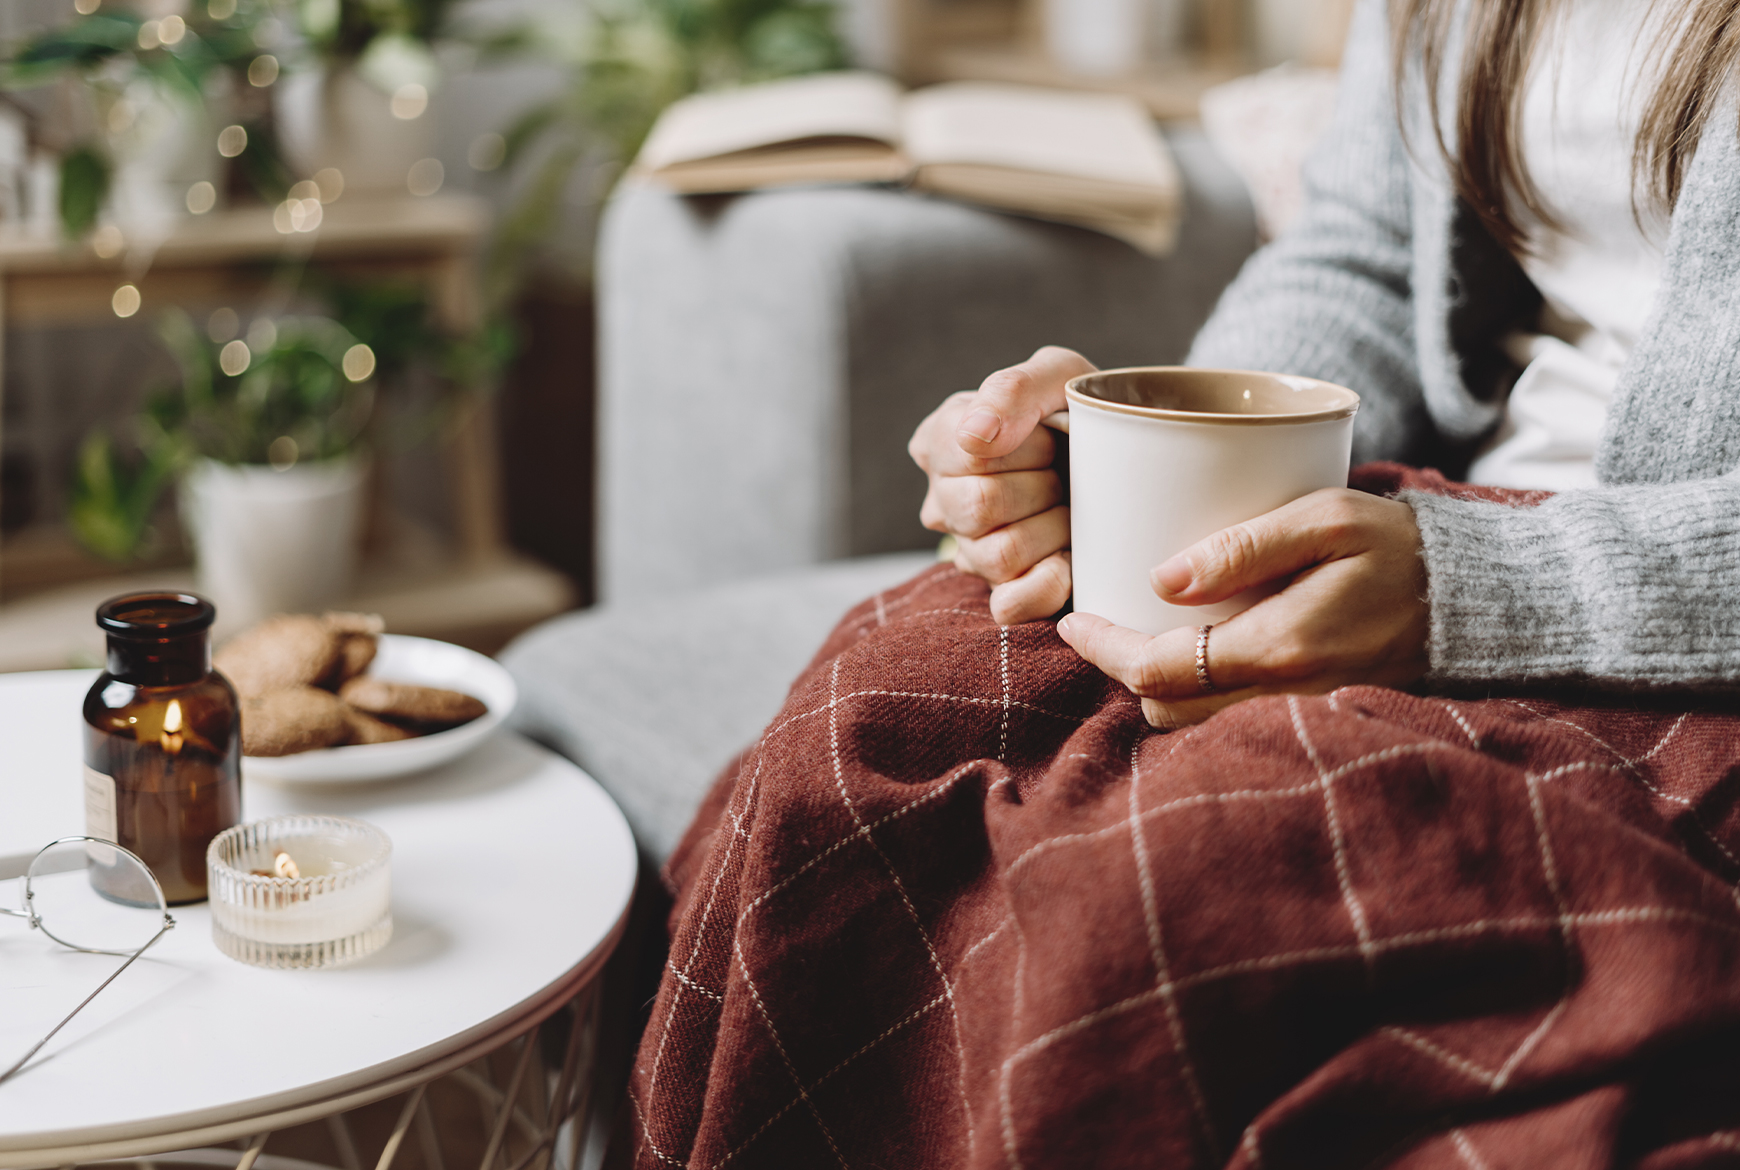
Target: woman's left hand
(1355, 612)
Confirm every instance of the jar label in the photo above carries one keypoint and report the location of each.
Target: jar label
(100, 818)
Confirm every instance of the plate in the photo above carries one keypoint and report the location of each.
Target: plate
(413, 660)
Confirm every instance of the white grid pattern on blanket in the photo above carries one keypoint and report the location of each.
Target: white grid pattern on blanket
(948, 989)
(736, 816)
(1166, 988)
(1163, 982)
(1465, 1148)
(1636, 770)
(1337, 841)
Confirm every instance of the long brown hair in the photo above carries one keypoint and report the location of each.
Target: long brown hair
(1694, 53)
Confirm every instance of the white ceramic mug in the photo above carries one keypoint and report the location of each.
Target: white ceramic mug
(1160, 457)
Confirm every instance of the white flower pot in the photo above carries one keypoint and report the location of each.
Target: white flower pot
(334, 118)
(270, 541)
(165, 150)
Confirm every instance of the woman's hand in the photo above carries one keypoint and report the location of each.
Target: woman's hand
(993, 487)
(1355, 613)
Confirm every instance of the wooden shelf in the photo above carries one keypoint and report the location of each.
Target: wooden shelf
(351, 226)
(227, 257)
(480, 605)
(215, 258)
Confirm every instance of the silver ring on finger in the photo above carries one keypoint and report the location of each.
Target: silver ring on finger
(1202, 678)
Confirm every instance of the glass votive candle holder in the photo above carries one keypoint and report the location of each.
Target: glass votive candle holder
(300, 891)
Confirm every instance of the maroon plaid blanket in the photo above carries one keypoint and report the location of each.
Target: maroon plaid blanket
(961, 906)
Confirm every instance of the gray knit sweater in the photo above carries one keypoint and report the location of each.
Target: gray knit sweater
(1389, 286)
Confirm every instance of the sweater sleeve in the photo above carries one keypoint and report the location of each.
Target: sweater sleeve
(1332, 296)
(1630, 586)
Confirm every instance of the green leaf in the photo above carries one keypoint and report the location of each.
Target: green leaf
(179, 73)
(113, 500)
(84, 184)
(85, 41)
(229, 46)
(498, 44)
(84, 44)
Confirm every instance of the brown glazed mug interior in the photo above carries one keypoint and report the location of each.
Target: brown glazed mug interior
(1226, 397)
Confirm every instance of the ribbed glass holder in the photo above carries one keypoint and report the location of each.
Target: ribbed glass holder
(337, 911)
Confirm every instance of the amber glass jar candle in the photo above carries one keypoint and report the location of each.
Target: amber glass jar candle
(162, 740)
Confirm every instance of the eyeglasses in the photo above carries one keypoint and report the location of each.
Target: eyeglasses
(91, 895)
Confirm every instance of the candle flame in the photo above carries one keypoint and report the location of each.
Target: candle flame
(172, 737)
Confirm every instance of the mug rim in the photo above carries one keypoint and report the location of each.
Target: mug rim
(1348, 409)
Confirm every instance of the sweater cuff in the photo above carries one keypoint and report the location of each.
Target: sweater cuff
(1502, 591)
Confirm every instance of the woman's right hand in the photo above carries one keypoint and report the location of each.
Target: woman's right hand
(993, 487)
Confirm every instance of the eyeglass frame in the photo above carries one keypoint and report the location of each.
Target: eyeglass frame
(35, 921)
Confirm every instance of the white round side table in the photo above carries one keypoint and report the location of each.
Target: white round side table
(512, 875)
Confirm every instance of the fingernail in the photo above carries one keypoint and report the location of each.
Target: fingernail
(1174, 576)
(982, 425)
(1064, 623)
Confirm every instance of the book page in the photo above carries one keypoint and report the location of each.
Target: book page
(828, 105)
(1021, 128)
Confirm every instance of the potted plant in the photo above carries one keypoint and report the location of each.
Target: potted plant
(147, 92)
(357, 106)
(265, 433)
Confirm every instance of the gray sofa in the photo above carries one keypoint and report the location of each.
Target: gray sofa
(764, 359)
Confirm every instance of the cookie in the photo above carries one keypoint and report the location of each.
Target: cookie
(429, 707)
(370, 624)
(359, 637)
(290, 650)
(291, 720)
(300, 650)
(355, 652)
(365, 728)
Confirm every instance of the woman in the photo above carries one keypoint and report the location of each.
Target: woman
(1523, 223)
(960, 906)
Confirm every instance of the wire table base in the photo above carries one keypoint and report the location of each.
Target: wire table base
(538, 1116)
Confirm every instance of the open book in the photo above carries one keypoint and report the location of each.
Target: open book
(1096, 160)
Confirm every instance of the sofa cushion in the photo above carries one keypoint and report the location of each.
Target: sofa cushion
(654, 698)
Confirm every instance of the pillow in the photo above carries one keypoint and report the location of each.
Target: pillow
(1264, 126)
